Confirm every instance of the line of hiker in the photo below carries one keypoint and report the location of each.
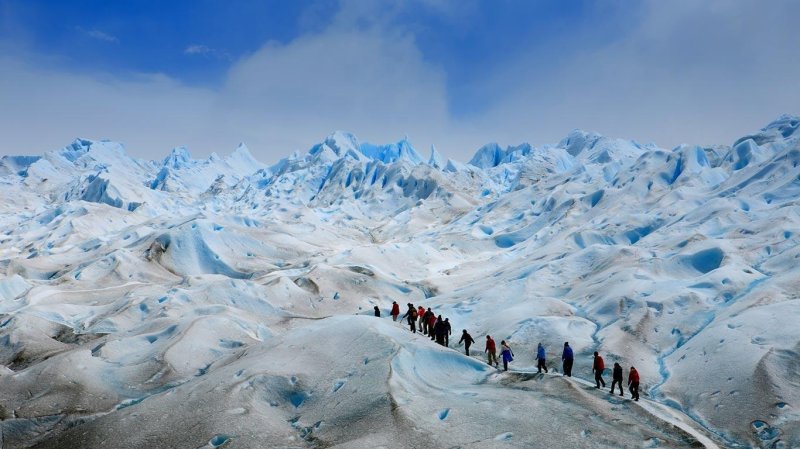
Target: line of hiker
(506, 354)
(598, 367)
(429, 324)
(440, 330)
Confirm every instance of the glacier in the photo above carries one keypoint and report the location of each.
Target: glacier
(223, 302)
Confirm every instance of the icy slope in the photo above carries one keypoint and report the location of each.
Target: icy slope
(201, 303)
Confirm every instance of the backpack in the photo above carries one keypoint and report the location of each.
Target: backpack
(413, 314)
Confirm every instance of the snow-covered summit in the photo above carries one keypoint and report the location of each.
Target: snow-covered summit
(178, 158)
(436, 160)
(400, 151)
(341, 144)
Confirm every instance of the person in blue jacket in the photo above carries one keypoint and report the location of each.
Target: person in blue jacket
(567, 358)
(506, 354)
(541, 358)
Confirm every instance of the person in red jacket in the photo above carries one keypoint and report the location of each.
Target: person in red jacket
(491, 348)
(431, 324)
(633, 383)
(395, 310)
(598, 366)
(422, 319)
(427, 329)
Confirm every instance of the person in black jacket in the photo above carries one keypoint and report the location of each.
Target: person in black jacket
(439, 330)
(412, 318)
(468, 341)
(448, 333)
(616, 378)
(567, 357)
(377, 311)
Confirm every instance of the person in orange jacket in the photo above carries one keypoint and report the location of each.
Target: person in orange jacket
(598, 367)
(633, 383)
(491, 348)
(395, 310)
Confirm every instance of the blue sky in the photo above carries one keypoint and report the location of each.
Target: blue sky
(281, 75)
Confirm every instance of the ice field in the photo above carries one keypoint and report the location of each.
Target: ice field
(224, 302)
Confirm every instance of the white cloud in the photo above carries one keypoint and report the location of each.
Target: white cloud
(206, 51)
(46, 109)
(279, 99)
(684, 71)
(197, 49)
(97, 34)
(375, 85)
(699, 72)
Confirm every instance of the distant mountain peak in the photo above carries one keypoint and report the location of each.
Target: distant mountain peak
(786, 125)
(179, 157)
(402, 150)
(341, 142)
(578, 140)
(242, 160)
(436, 160)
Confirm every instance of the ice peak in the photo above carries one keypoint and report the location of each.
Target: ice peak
(436, 160)
(488, 156)
(578, 140)
(402, 150)
(76, 149)
(786, 125)
(242, 150)
(242, 160)
(341, 142)
(179, 157)
(242, 154)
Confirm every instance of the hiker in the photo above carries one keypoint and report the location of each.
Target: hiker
(412, 317)
(616, 378)
(395, 310)
(439, 330)
(491, 349)
(506, 354)
(426, 314)
(377, 312)
(468, 341)
(633, 383)
(567, 359)
(431, 324)
(598, 367)
(448, 332)
(420, 315)
(540, 356)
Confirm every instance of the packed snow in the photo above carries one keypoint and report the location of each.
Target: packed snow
(224, 302)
